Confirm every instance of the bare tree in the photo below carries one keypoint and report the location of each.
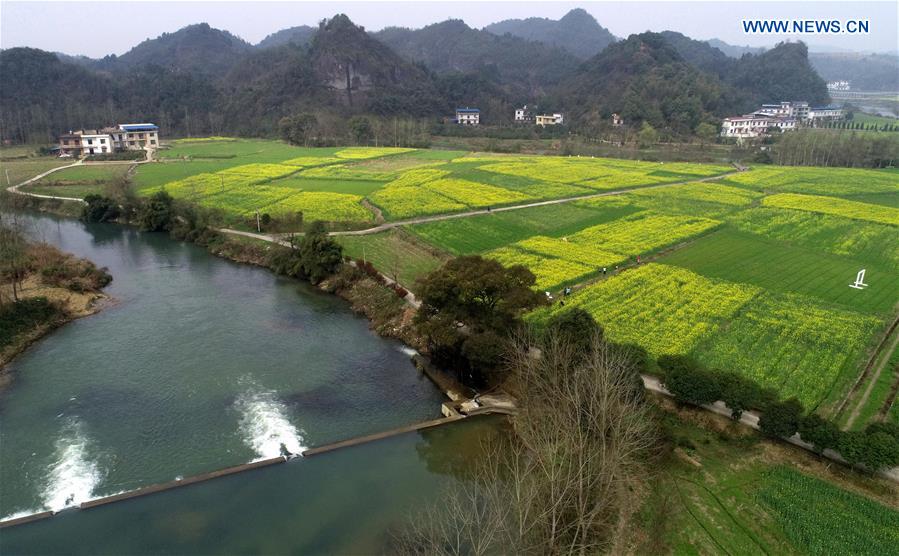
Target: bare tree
(566, 483)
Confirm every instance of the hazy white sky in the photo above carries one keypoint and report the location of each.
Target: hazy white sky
(99, 28)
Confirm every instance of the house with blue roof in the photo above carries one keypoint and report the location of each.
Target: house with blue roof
(132, 137)
(122, 137)
(468, 116)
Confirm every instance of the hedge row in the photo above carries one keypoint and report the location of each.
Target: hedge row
(876, 447)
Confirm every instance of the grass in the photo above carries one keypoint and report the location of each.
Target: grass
(87, 174)
(816, 181)
(869, 119)
(880, 392)
(820, 518)
(21, 169)
(393, 253)
(722, 490)
(483, 233)
(867, 241)
(778, 267)
(792, 344)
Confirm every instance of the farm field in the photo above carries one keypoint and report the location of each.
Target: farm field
(778, 267)
(723, 493)
(79, 181)
(242, 176)
(394, 253)
(21, 169)
(766, 289)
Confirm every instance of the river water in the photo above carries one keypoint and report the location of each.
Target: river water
(199, 364)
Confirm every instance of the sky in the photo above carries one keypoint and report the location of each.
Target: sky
(99, 28)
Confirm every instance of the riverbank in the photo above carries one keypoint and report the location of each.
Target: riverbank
(55, 291)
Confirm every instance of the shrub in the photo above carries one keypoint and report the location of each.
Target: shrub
(688, 381)
(156, 214)
(98, 208)
(781, 419)
(821, 433)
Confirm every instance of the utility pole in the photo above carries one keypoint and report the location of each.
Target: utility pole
(7, 176)
(258, 227)
(223, 182)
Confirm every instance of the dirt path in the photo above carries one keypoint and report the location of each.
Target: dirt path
(15, 188)
(866, 372)
(478, 212)
(885, 359)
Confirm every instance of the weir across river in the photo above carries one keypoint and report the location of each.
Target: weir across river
(311, 452)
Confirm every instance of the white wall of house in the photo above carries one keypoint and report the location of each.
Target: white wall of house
(97, 144)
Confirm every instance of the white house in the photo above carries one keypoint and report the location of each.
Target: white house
(110, 139)
(96, 143)
(468, 116)
(544, 120)
(755, 125)
(617, 120)
(524, 114)
(838, 86)
(820, 114)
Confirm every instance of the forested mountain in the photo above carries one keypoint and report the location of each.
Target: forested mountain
(524, 69)
(578, 32)
(196, 48)
(645, 79)
(866, 72)
(203, 80)
(781, 73)
(301, 35)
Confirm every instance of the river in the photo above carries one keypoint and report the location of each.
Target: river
(200, 364)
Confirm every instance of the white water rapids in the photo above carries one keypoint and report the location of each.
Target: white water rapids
(264, 425)
(72, 476)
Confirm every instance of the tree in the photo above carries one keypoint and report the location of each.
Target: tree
(820, 432)
(565, 483)
(688, 381)
(299, 129)
(576, 326)
(98, 208)
(781, 419)
(319, 255)
(706, 132)
(880, 451)
(468, 296)
(13, 255)
(648, 136)
(157, 213)
(361, 129)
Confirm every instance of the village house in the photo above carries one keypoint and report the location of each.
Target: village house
(751, 126)
(468, 116)
(544, 120)
(123, 137)
(617, 120)
(525, 114)
(838, 86)
(785, 116)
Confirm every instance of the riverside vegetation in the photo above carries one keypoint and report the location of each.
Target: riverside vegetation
(41, 288)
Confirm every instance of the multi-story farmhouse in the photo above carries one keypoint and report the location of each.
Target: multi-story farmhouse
(785, 116)
(123, 137)
(468, 116)
(755, 125)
